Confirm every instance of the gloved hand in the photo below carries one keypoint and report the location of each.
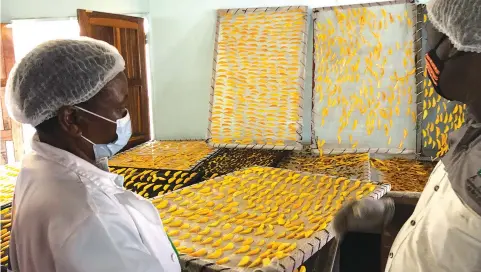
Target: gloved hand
(273, 267)
(365, 215)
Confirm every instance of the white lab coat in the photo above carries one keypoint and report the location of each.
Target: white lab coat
(70, 216)
(443, 234)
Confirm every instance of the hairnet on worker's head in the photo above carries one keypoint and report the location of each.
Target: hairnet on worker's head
(59, 73)
(460, 20)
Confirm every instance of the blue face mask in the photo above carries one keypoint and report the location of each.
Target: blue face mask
(124, 131)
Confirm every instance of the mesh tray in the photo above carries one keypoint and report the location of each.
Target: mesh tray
(8, 177)
(261, 207)
(437, 117)
(150, 183)
(404, 173)
(5, 217)
(264, 111)
(227, 160)
(353, 166)
(175, 155)
(370, 106)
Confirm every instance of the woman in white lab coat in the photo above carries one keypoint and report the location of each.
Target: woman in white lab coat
(70, 213)
(444, 232)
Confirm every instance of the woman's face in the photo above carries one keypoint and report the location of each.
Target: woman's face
(460, 79)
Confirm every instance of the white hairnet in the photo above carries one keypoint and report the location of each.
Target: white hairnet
(460, 20)
(59, 73)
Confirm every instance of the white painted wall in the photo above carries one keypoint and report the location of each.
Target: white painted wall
(30, 9)
(182, 45)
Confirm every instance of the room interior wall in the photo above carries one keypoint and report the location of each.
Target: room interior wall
(35, 9)
(181, 40)
(182, 49)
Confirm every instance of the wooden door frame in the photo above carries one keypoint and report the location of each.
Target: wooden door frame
(87, 18)
(15, 133)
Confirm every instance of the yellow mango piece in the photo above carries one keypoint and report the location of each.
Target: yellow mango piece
(186, 250)
(248, 241)
(265, 254)
(197, 238)
(205, 190)
(246, 231)
(244, 261)
(205, 231)
(243, 249)
(238, 239)
(227, 226)
(216, 254)
(255, 263)
(167, 221)
(228, 236)
(199, 253)
(222, 261)
(281, 255)
(162, 204)
(195, 229)
(229, 246)
(184, 236)
(269, 234)
(214, 224)
(283, 246)
(266, 262)
(238, 229)
(208, 240)
(176, 224)
(217, 243)
(254, 252)
(291, 247)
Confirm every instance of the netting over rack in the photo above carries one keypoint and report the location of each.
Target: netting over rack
(353, 166)
(256, 98)
(364, 78)
(239, 220)
(169, 155)
(438, 116)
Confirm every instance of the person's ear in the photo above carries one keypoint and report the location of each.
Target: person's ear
(69, 121)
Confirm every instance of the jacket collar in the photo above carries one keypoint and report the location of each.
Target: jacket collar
(75, 164)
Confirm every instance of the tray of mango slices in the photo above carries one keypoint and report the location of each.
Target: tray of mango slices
(6, 226)
(150, 183)
(355, 166)
(8, 177)
(175, 155)
(227, 160)
(241, 221)
(404, 173)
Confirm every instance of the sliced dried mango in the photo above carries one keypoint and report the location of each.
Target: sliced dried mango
(254, 252)
(199, 253)
(223, 261)
(244, 261)
(242, 249)
(216, 254)
(229, 246)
